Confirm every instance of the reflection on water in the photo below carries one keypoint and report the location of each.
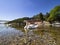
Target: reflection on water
(12, 36)
(9, 35)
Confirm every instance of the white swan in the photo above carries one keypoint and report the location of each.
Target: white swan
(31, 26)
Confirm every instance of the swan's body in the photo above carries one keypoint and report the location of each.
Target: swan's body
(31, 26)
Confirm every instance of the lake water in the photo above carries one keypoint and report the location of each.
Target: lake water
(42, 36)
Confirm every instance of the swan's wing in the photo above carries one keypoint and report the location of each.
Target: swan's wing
(36, 26)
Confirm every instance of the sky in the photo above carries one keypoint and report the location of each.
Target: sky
(13, 9)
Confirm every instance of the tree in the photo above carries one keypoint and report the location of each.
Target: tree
(47, 15)
(38, 17)
(35, 17)
(41, 16)
(54, 14)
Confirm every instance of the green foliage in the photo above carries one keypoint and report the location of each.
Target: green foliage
(39, 16)
(54, 14)
(47, 15)
(19, 20)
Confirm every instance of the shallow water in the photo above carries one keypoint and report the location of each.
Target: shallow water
(42, 36)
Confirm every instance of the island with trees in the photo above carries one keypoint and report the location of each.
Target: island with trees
(52, 17)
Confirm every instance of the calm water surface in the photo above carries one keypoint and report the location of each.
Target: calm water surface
(42, 36)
